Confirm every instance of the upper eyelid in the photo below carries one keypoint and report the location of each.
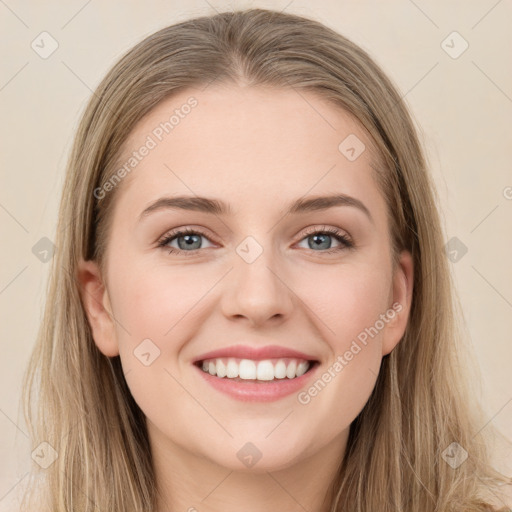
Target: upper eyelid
(177, 232)
(331, 230)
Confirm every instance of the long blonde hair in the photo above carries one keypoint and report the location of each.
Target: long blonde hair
(76, 399)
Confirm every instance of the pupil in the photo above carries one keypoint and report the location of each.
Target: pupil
(189, 240)
(318, 238)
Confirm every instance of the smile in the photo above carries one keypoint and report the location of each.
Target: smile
(248, 369)
(257, 380)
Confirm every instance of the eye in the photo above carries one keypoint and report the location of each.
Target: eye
(188, 241)
(321, 239)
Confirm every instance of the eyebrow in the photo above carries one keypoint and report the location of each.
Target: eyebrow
(217, 207)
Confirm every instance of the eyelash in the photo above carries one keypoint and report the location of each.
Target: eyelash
(346, 243)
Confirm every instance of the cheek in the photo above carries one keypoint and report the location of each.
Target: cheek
(154, 303)
(157, 311)
(350, 305)
(347, 301)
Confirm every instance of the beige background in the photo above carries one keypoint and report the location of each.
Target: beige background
(464, 106)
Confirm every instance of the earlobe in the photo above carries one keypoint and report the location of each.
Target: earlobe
(96, 304)
(403, 283)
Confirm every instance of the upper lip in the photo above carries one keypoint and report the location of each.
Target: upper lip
(255, 353)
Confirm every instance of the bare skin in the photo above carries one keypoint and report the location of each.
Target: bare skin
(258, 150)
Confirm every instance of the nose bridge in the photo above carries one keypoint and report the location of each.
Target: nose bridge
(257, 291)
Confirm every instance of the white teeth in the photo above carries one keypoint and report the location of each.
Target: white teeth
(248, 369)
(265, 371)
(221, 368)
(302, 368)
(232, 372)
(280, 370)
(290, 370)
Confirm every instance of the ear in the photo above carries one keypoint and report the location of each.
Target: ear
(403, 281)
(97, 307)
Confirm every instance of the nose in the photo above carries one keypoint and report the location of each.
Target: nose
(258, 291)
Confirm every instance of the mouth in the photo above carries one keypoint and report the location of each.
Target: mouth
(263, 371)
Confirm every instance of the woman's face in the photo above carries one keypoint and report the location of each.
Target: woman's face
(259, 273)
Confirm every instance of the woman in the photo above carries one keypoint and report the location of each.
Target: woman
(250, 307)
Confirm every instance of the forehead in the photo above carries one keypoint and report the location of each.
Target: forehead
(248, 144)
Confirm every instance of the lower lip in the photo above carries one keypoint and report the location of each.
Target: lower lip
(262, 391)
